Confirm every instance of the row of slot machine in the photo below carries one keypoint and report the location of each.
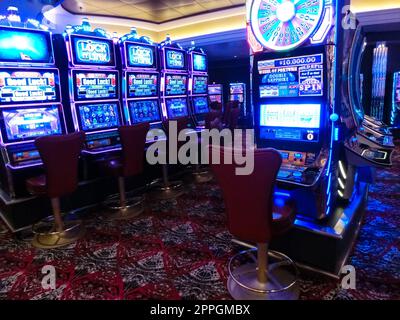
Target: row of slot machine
(85, 80)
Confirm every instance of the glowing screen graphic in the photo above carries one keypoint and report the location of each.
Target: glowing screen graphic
(215, 89)
(236, 88)
(176, 108)
(284, 25)
(291, 77)
(142, 85)
(23, 46)
(200, 85)
(200, 105)
(95, 85)
(141, 56)
(175, 85)
(30, 123)
(144, 111)
(199, 62)
(98, 116)
(90, 51)
(23, 86)
(175, 59)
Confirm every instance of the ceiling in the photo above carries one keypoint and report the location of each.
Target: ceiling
(158, 11)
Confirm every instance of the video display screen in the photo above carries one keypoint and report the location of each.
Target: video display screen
(199, 62)
(175, 85)
(144, 111)
(290, 121)
(142, 85)
(200, 84)
(200, 105)
(25, 46)
(291, 77)
(90, 85)
(141, 56)
(175, 59)
(176, 108)
(236, 88)
(215, 89)
(19, 124)
(98, 116)
(27, 86)
(87, 51)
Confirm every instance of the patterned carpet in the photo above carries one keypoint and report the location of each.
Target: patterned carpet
(180, 249)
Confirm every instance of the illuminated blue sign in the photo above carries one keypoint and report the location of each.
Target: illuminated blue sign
(199, 62)
(88, 51)
(175, 59)
(141, 56)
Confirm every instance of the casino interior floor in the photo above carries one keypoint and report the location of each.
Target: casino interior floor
(179, 250)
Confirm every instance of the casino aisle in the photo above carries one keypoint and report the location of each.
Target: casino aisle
(179, 250)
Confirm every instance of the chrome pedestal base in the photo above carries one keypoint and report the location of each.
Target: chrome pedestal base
(171, 190)
(47, 237)
(281, 278)
(133, 207)
(203, 176)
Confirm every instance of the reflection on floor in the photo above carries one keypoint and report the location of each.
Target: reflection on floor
(179, 250)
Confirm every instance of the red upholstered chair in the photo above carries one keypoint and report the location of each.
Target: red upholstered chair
(233, 119)
(131, 163)
(227, 111)
(60, 156)
(213, 120)
(253, 218)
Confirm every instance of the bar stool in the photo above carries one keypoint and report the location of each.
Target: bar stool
(167, 189)
(60, 156)
(252, 218)
(133, 141)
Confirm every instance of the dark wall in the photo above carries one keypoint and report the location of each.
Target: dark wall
(230, 71)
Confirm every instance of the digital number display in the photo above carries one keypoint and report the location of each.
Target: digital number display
(92, 51)
(141, 56)
(144, 111)
(200, 84)
(27, 86)
(200, 105)
(175, 85)
(142, 85)
(199, 62)
(175, 59)
(18, 124)
(177, 108)
(291, 77)
(95, 85)
(25, 46)
(98, 116)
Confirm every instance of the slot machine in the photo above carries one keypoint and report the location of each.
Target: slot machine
(395, 113)
(198, 85)
(216, 93)
(174, 80)
(300, 94)
(30, 99)
(91, 84)
(237, 92)
(141, 83)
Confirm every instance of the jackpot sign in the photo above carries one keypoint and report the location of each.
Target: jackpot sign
(93, 51)
(139, 55)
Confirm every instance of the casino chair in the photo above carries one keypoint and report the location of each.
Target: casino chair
(216, 106)
(254, 218)
(233, 119)
(60, 156)
(229, 106)
(131, 163)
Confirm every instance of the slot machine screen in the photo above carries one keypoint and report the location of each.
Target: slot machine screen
(236, 89)
(291, 77)
(144, 111)
(28, 123)
(98, 116)
(88, 51)
(175, 59)
(200, 105)
(142, 85)
(176, 85)
(91, 85)
(199, 62)
(24, 86)
(298, 122)
(177, 107)
(200, 84)
(141, 56)
(25, 46)
(214, 89)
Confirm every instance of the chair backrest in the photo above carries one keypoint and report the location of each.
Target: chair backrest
(233, 118)
(215, 105)
(60, 156)
(211, 120)
(249, 198)
(133, 141)
(182, 123)
(228, 107)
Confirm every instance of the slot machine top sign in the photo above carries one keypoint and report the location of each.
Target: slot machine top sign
(282, 25)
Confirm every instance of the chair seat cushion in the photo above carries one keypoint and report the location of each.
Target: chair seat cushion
(37, 185)
(283, 217)
(113, 167)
